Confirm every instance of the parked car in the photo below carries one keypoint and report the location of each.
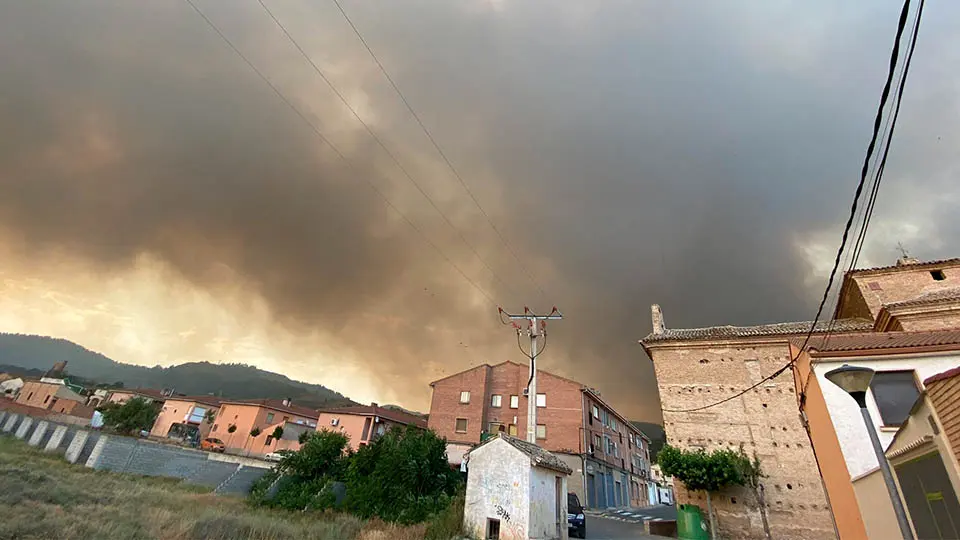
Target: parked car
(576, 521)
(277, 456)
(213, 445)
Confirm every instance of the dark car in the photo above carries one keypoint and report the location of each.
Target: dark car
(576, 521)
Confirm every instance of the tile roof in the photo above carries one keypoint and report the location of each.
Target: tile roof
(776, 329)
(538, 456)
(939, 295)
(277, 405)
(885, 340)
(950, 373)
(389, 414)
(922, 264)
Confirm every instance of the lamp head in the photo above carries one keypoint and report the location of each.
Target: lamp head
(853, 380)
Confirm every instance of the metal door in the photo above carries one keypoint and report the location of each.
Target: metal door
(931, 500)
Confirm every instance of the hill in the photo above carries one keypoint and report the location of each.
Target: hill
(237, 381)
(657, 436)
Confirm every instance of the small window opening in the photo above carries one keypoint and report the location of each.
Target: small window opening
(938, 275)
(789, 486)
(733, 500)
(764, 405)
(493, 529)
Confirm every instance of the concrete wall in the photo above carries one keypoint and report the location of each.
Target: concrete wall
(546, 520)
(498, 487)
(845, 414)
(226, 474)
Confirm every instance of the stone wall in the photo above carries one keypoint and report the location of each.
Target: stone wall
(225, 474)
(764, 420)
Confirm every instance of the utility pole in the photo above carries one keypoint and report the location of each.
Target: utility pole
(536, 327)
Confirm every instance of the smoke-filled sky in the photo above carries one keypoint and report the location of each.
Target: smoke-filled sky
(161, 204)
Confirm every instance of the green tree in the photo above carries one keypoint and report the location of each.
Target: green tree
(702, 471)
(231, 429)
(134, 415)
(255, 431)
(403, 476)
(277, 433)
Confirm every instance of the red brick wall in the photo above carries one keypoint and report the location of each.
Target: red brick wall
(563, 416)
(445, 406)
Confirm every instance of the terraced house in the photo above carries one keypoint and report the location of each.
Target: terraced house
(610, 458)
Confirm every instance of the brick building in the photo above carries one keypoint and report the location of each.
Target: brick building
(610, 458)
(699, 367)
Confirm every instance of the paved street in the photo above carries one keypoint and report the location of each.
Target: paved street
(604, 528)
(639, 515)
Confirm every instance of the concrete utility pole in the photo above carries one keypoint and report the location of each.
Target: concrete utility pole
(536, 327)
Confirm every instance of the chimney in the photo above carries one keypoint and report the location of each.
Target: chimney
(657, 317)
(374, 405)
(907, 260)
(286, 402)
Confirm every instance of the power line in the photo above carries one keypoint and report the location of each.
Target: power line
(339, 154)
(894, 55)
(380, 142)
(440, 151)
(893, 124)
(879, 165)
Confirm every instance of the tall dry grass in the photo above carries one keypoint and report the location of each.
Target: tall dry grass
(43, 497)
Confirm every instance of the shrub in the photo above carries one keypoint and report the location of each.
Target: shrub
(134, 415)
(277, 433)
(403, 476)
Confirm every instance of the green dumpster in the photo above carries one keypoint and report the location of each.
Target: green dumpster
(690, 525)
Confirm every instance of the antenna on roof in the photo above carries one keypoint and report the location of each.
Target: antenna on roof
(903, 251)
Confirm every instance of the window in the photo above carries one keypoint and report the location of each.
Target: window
(30, 395)
(494, 427)
(496, 400)
(214, 427)
(461, 426)
(512, 430)
(270, 418)
(595, 411)
(613, 423)
(514, 402)
(46, 399)
(541, 400)
(895, 393)
(938, 275)
(465, 397)
(597, 442)
(541, 431)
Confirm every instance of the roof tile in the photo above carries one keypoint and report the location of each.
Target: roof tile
(776, 329)
(884, 340)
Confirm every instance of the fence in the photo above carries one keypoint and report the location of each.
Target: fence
(226, 474)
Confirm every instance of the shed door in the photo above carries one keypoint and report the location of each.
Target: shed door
(931, 501)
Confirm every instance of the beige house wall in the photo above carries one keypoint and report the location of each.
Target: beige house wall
(878, 516)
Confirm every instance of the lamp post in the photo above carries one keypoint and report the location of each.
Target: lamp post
(856, 381)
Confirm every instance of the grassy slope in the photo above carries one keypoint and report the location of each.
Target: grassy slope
(43, 497)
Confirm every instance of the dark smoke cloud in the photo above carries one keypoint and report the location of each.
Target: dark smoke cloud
(632, 154)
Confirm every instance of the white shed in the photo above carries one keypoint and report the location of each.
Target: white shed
(515, 490)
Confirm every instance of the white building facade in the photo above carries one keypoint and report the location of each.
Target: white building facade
(515, 490)
(897, 384)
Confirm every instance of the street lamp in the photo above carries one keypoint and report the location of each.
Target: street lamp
(856, 381)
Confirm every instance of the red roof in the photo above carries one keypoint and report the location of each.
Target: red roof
(277, 405)
(949, 339)
(371, 410)
(942, 376)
